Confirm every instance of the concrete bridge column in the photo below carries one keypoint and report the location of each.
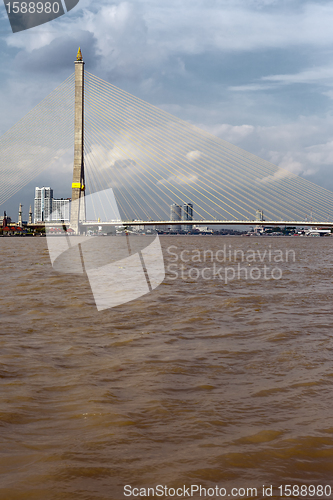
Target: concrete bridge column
(78, 185)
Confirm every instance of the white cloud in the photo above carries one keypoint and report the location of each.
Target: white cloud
(252, 87)
(137, 31)
(232, 133)
(176, 180)
(239, 26)
(319, 74)
(193, 155)
(303, 147)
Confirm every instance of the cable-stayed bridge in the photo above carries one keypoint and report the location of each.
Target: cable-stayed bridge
(150, 159)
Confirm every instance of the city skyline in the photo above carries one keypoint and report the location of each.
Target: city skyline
(46, 208)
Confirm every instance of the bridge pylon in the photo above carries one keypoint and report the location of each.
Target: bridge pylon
(78, 214)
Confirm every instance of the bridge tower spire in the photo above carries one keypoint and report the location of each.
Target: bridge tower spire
(78, 184)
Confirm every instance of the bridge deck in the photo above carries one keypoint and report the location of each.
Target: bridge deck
(196, 223)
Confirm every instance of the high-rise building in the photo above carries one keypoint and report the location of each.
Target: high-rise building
(260, 215)
(43, 204)
(49, 209)
(188, 215)
(175, 214)
(60, 209)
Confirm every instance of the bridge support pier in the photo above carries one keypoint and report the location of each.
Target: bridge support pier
(78, 185)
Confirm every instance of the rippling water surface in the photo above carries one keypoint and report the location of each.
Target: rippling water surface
(199, 382)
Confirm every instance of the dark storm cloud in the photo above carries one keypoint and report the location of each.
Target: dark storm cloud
(58, 55)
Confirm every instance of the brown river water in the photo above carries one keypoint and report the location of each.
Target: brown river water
(204, 382)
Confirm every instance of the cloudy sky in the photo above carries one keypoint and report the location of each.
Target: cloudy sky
(257, 73)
